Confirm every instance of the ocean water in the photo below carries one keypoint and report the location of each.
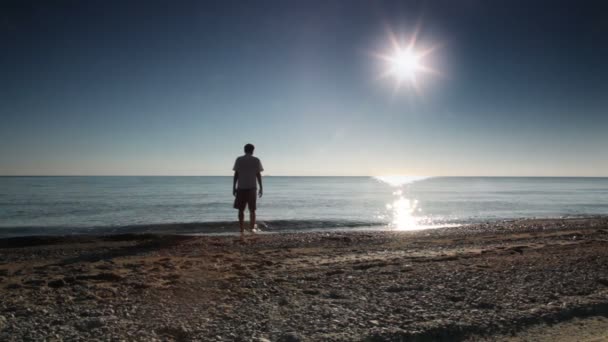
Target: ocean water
(63, 205)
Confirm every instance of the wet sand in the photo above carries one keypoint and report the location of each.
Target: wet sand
(528, 279)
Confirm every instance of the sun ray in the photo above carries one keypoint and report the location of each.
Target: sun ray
(414, 37)
(428, 70)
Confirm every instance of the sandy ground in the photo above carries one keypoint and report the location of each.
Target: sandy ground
(528, 280)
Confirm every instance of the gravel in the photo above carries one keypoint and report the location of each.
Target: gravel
(445, 284)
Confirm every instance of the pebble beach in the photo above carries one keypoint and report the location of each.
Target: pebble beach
(488, 281)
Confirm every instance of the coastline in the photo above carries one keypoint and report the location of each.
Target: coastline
(231, 228)
(473, 282)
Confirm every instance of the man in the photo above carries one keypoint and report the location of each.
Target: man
(247, 169)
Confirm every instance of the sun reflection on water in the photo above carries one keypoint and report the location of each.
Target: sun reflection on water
(403, 213)
(403, 210)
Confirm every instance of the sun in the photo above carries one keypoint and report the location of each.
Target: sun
(406, 62)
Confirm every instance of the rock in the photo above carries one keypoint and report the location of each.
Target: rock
(93, 323)
(69, 280)
(3, 323)
(334, 272)
(484, 305)
(24, 312)
(311, 292)
(138, 285)
(456, 298)
(57, 283)
(35, 282)
(290, 337)
(395, 288)
(57, 322)
(335, 295)
(105, 276)
(176, 332)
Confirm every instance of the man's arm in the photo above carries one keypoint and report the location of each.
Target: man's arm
(234, 179)
(259, 177)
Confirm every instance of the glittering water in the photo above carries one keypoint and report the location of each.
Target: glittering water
(34, 205)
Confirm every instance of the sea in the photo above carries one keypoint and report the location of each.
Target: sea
(203, 205)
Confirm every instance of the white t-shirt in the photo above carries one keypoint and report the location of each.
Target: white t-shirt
(248, 167)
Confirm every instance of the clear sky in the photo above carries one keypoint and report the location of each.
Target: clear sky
(178, 87)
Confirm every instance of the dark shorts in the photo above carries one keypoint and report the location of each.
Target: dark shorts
(245, 197)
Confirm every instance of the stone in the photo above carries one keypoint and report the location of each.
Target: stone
(35, 282)
(91, 323)
(290, 337)
(603, 281)
(57, 283)
(178, 332)
(335, 295)
(312, 292)
(105, 276)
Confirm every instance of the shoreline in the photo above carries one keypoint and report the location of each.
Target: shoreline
(220, 228)
(474, 282)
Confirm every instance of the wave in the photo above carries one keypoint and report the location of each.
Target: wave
(214, 227)
(272, 226)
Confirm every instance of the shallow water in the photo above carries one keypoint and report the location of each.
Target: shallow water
(34, 205)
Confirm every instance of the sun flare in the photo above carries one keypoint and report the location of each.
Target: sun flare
(405, 62)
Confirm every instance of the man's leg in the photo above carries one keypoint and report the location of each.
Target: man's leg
(242, 220)
(251, 220)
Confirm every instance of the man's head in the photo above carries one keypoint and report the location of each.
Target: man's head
(249, 148)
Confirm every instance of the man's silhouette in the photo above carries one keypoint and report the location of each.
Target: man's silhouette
(247, 169)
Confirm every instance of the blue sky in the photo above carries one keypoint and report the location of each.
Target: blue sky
(177, 88)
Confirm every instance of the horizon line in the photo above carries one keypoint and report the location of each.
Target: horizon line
(345, 176)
